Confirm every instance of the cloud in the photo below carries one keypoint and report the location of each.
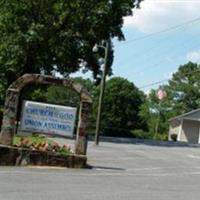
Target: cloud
(169, 75)
(194, 56)
(156, 15)
(147, 91)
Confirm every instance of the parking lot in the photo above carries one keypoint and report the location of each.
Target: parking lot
(138, 170)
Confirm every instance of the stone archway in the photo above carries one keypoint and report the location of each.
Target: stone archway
(12, 99)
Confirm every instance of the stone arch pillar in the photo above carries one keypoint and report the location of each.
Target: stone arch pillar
(11, 106)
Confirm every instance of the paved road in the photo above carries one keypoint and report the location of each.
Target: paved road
(121, 171)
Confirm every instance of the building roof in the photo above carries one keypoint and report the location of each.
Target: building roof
(185, 115)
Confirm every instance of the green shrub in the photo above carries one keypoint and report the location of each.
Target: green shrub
(158, 136)
(141, 134)
(174, 137)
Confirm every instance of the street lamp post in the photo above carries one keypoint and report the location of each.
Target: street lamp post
(102, 88)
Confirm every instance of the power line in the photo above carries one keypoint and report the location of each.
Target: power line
(163, 31)
(173, 56)
(164, 80)
(171, 49)
(158, 32)
(153, 83)
(138, 55)
(158, 64)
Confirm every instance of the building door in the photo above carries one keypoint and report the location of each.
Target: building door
(190, 131)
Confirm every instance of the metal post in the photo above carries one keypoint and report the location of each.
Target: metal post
(158, 120)
(102, 88)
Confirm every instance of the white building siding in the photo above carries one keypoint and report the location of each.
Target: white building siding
(190, 132)
(186, 127)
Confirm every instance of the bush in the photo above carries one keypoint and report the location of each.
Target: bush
(174, 137)
(141, 134)
(159, 136)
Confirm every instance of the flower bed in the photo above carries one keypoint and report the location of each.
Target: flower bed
(36, 152)
(41, 144)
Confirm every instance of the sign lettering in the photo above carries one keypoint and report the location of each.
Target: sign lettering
(48, 118)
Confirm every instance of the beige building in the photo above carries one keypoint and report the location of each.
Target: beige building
(186, 127)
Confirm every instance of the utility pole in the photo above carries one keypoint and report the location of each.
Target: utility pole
(102, 88)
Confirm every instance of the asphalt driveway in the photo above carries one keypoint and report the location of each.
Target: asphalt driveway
(140, 170)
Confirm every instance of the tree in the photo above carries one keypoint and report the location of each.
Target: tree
(149, 111)
(185, 88)
(64, 96)
(156, 113)
(183, 95)
(120, 107)
(56, 94)
(56, 34)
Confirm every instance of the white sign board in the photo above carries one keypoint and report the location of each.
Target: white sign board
(48, 118)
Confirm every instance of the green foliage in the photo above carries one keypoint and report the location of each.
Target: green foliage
(141, 134)
(41, 143)
(65, 96)
(120, 107)
(174, 137)
(56, 94)
(184, 88)
(34, 93)
(155, 113)
(56, 35)
(183, 95)
(149, 111)
(37, 139)
(160, 136)
(126, 111)
(62, 95)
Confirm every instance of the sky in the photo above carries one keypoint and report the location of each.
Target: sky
(160, 37)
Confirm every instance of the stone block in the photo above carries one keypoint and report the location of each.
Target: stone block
(13, 156)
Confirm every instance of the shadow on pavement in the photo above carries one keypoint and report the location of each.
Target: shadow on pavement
(106, 168)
